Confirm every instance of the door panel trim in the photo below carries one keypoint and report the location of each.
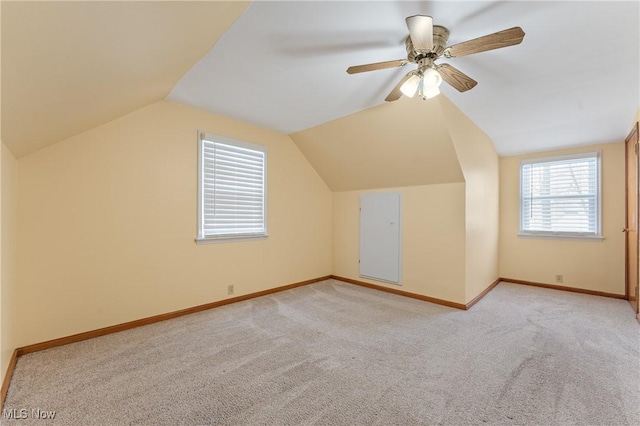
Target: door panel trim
(632, 138)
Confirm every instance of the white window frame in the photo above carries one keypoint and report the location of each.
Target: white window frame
(202, 238)
(597, 235)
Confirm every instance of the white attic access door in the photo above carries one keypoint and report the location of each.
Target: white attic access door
(381, 236)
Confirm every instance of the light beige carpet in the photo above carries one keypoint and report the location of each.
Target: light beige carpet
(337, 354)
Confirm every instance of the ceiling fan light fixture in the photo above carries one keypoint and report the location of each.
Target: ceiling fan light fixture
(410, 87)
(432, 78)
(430, 92)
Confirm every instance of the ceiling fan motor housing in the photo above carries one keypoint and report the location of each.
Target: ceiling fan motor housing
(440, 38)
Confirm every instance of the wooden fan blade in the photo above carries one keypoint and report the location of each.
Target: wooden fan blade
(377, 66)
(395, 94)
(421, 32)
(456, 78)
(493, 41)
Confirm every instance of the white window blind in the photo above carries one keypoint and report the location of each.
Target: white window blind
(560, 196)
(232, 183)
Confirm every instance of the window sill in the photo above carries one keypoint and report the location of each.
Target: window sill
(564, 237)
(229, 239)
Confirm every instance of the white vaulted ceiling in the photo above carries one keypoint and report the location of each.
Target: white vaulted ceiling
(573, 81)
(70, 66)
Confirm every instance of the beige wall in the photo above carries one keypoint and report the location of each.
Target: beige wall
(461, 217)
(480, 166)
(591, 265)
(108, 221)
(396, 144)
(433, 239)
(8, 176)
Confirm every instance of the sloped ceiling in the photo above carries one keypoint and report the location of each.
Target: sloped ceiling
(70, 66)
(572, 81)
(391, 145)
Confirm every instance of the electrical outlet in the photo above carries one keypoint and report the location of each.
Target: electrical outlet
(559, 278)
(230, 289)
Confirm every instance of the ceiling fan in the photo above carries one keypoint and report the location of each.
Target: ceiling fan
(425, 44)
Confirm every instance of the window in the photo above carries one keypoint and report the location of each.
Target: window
(560, 196)
(231, 189)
